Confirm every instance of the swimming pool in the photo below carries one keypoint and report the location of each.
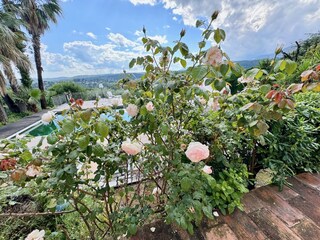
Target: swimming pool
(43, 130)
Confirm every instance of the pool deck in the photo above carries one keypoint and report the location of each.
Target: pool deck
(12, 128)
(23, 123)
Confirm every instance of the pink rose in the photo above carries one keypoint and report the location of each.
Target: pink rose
(33, 170)
(207, 169)
(214, 56)
(149, 106)
(197, 151)
(131, 148)
(132, 110)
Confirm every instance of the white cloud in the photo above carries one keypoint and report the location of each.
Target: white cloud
(108, 29)
(91, 35)
(121, 40)
(252, 27)
(166, 26)
(149, 2)
(174, 18)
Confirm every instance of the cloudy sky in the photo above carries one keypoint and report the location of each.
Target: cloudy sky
(102, 36)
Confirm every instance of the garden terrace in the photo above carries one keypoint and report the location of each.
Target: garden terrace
(293, 213)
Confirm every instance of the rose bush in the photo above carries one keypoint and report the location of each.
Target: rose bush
(192, 138)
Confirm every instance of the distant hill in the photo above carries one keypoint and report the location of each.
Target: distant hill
(248, 63)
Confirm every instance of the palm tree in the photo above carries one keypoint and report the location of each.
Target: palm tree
(38, 14)
(9, 53)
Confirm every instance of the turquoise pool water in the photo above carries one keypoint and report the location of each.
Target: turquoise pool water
(43, 130)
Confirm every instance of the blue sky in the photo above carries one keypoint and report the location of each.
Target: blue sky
(101, 36)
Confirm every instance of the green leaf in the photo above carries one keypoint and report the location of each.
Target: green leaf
(83, 142)
(102, 129)
(185, 184)
(52, 203)
(68, 126)
(132, 229)
(224, 68)
(98, 150)
(199, 23)
(86, 115)
(291, 66)
(202, 44)
(52, 138)
(219, 84)
(199, 72)
(132, 63)
(264, 89)
(208, 81)
(207, 210)
(184, 49)
(26, 156)
(183, 63)
(217, 36)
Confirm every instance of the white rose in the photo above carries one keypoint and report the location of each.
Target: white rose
(149, 106)
(143, 138)
(197, 151)
(156, 191)
(47, 117)
(132, 110)
(131, 148)
(36, 235)
(214, 56)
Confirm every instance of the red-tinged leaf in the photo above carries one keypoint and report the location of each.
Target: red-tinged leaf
(282, 103)
(293, 88)
(290, 103)
(270, 94)
(277, 97)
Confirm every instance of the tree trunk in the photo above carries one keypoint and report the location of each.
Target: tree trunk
(13, 107)
(11, 77)
(3, 115)
(37, 58)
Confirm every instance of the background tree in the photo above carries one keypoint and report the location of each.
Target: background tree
(9, 53)
(38, 15)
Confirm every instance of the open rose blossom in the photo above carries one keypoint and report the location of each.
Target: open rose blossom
(207, 169)
(131, 148)
(33, 170)
(47, 117)
(36, 235)
(214, 56)
(149, 106)
(197, 151)
(132, 110)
